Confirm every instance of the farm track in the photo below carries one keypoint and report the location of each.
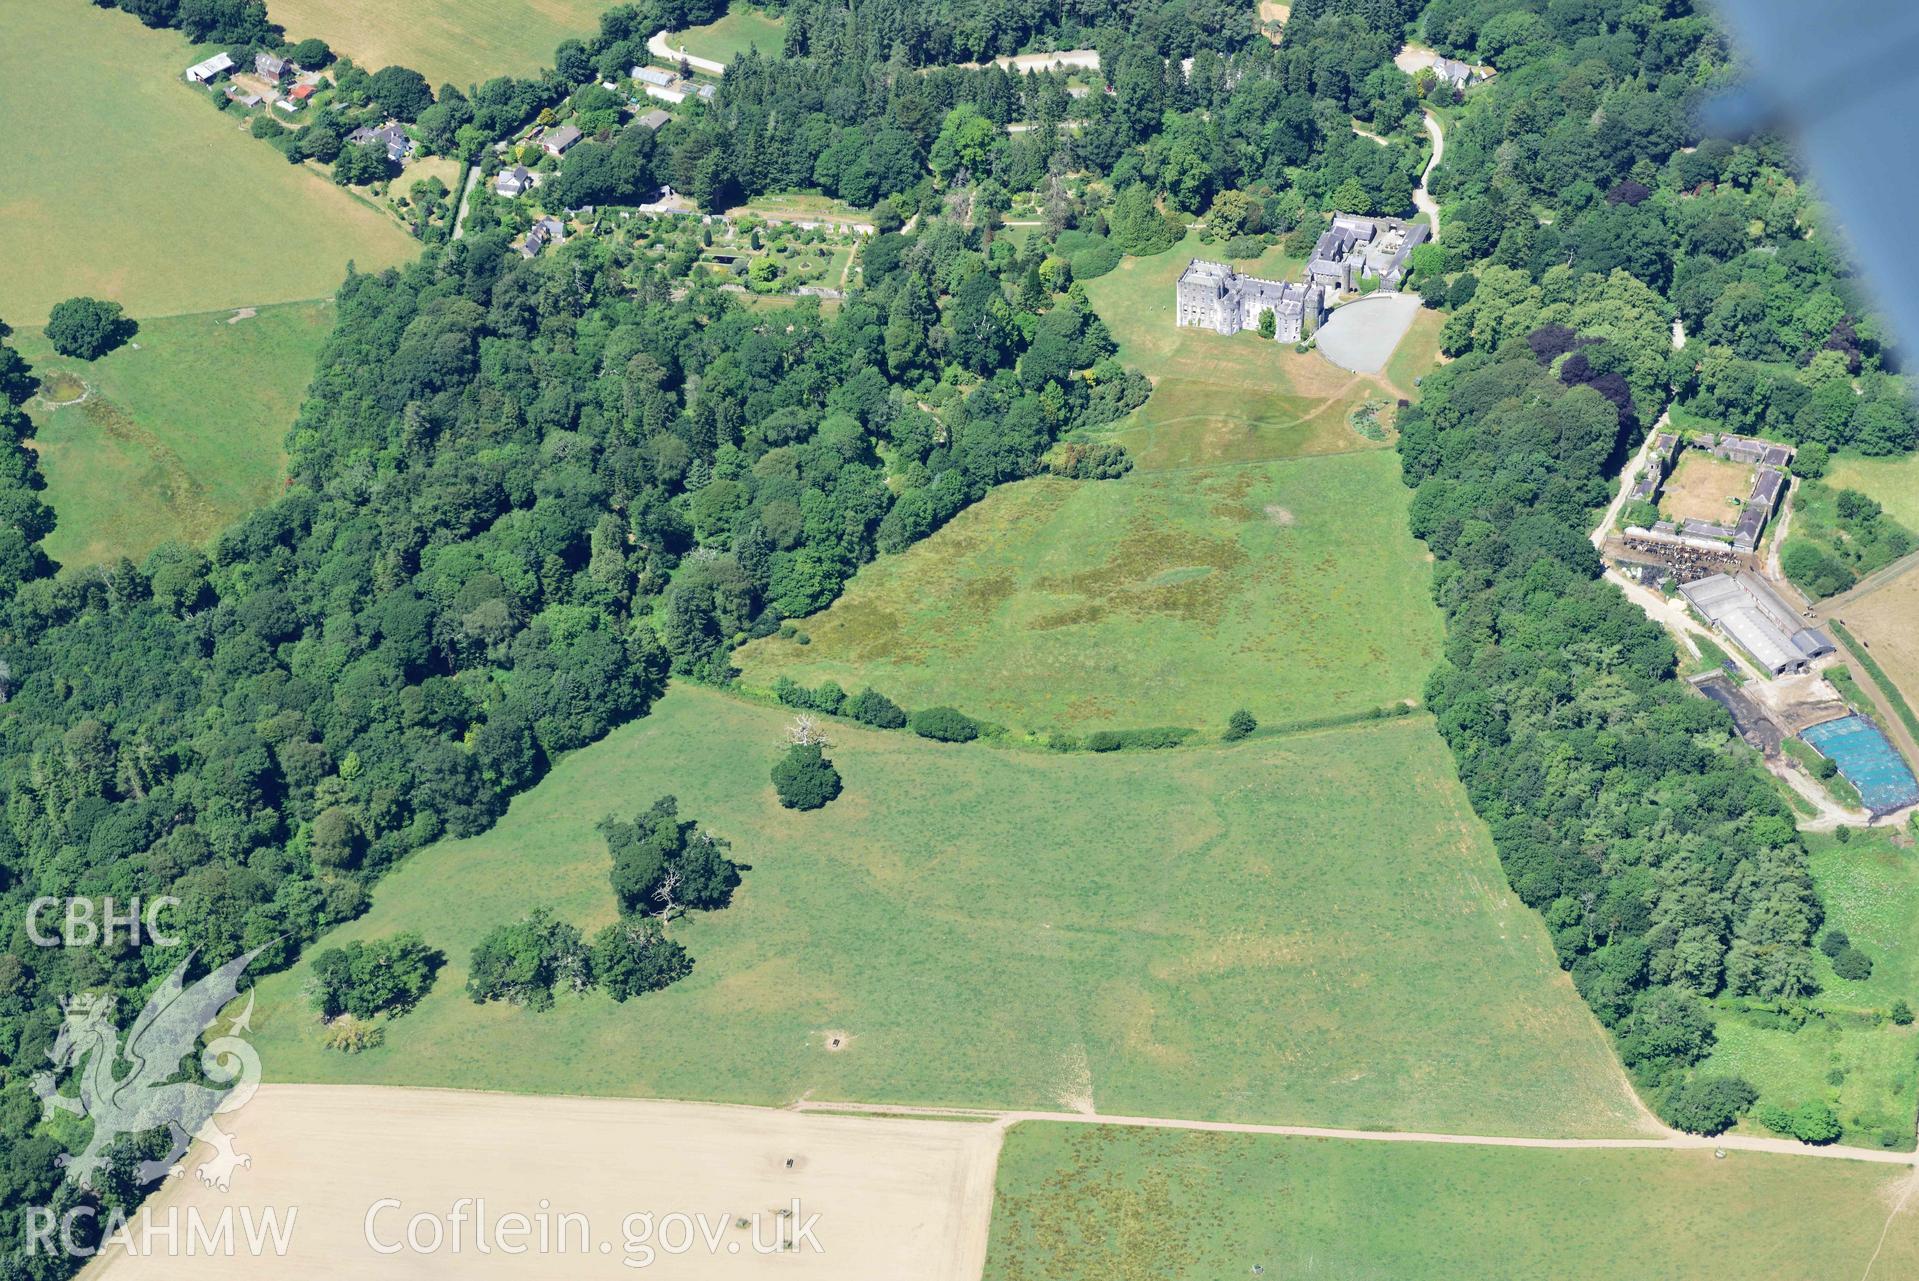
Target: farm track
(1672, 1140)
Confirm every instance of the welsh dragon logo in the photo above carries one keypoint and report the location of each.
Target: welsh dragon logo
(128, 1089)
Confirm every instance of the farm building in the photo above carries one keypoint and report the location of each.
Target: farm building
(301, 92)
(1665, 448)
(1769, 485)
(1211, 295)
(656, 76)
(1744, 609)
(206, 72)
(1354, 247)
(674, 93)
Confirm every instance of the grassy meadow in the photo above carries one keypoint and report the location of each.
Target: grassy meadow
(1846, 1054)
(1236, 932)
(1222, 400)
(1894, 482)
(1088, 1203)
(132, 187)
(743, 28)
(176, 437)
(1171, 598)
(462, 42)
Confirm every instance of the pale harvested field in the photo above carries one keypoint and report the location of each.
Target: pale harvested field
(1887, 620)
(895, 1199)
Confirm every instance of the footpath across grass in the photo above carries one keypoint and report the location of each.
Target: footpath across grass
(176, 437)
(1306, 929)
(1288, 588)
(1090, 1203)
(126, 183)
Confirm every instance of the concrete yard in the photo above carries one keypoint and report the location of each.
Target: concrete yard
(1361, 336)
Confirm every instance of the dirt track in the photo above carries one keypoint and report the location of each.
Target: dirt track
(1672, 1140)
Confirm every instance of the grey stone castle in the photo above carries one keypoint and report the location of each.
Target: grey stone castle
(1213, 296)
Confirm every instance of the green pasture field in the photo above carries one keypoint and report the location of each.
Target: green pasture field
(462, 42)
(132, 187)
(1870, 888)
(1311, 928)
(1238, 399)
(1893, 482)
(1289, 588)
(743, 28)
(177, 437)
(1089, 1203)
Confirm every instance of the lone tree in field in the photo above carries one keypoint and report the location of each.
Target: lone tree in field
(662, 858)
(804, 778)
(87, 328)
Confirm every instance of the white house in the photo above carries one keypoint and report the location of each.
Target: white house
(512, 182)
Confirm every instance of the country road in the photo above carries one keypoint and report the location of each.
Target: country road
(1422, 199)
(659, 48)
(1671, 1141)
(466, 194)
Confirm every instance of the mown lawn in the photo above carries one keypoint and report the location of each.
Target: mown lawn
(1088, 1203)
(127, 184)
(176, 437)
(1170, 598)
(1846, 1055)
(463, 42)
(1215, 399)
(1302, 929)
(743, 28)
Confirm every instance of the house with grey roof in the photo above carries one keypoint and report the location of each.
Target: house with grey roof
(556, 140)
(269, 67)
(653, 119)
(1453, 72)
(390, 136)
(546, 231)
(514, 182)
